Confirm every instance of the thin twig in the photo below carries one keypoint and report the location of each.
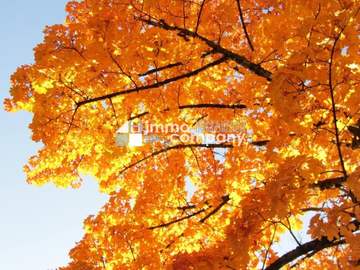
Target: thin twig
(244, 25)
(174, 147)
(225, 199)
(269, 247)
(160, 69)
(333, 105)
(177, 220)
(199, 16)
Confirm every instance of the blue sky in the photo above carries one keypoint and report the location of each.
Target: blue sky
(38, 226)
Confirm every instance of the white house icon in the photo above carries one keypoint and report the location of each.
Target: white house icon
(125, 135)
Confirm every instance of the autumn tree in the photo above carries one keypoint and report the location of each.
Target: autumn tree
(287, 72)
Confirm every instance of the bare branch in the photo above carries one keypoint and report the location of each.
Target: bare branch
(225, 199)
(155, 85)
(240, 59)
(333, 105)
(139, 115)
(121, 69)
(175, 147)
(213, 105)
(177, 220)
(196, 106)
(244, 25)
(72, 120)
(335, 182)
(199, 15)
(114, 112)
(269, 247)
(311, 247)
(160, 69)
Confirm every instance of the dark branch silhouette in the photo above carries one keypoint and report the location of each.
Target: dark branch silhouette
(155, 85)
(241, 60)
(244, 25)
(199, 16)
(195, 106)
(212, 105)
(177, 220)
(312, 247)
(224, 200)
(160, 69)
(330, 183)
(175, 147)
(333, 104)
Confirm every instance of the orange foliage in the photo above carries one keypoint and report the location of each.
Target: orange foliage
(286, 72)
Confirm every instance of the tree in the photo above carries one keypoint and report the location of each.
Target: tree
(286, 72)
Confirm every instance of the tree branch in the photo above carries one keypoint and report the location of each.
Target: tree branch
(312, 247)
(240, 59)
(160, 69)
(335, 182)
(225, 199)
(244, 25)
(269, 247)
(162, 225)
(155, 85)
(212, 105)
(175, 147)
(199, 16)
(333, 105)
(196, 106)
